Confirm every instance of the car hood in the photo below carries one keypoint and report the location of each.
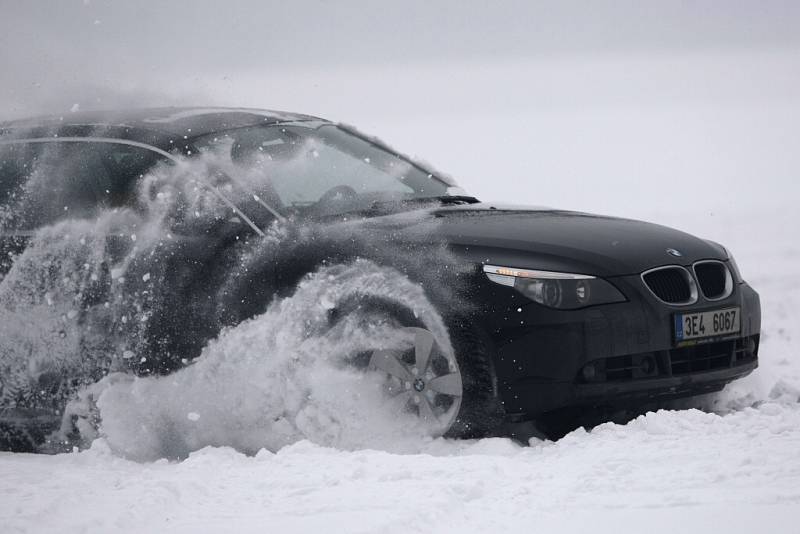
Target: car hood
(548, 239)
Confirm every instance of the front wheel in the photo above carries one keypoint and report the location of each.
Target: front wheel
(448, 384)
(422, 380)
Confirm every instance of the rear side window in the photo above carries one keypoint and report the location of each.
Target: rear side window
(43, 183)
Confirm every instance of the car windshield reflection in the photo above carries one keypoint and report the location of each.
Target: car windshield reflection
(313, 170)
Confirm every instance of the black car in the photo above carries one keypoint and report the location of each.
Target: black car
(198, 218)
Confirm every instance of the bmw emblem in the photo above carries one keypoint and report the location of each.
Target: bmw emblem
(673, 252)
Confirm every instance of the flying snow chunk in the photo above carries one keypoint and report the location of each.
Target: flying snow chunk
(193, 416)
(75, 108)
(146, 277)
(326, 303)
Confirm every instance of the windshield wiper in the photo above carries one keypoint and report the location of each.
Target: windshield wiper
(375, 207)
(443, 199)
(456, 199)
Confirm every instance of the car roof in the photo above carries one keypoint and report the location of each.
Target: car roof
(156, 126)
(174, 120)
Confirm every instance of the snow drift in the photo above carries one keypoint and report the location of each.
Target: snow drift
(283, 376)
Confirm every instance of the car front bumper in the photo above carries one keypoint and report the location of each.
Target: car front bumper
(542, 355)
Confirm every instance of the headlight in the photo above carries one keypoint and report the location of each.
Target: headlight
(566, 291)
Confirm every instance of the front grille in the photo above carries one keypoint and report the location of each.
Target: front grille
(712, 276)
(674, 362)
(670, 284)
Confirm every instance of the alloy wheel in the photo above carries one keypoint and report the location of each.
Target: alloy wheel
(422, 380)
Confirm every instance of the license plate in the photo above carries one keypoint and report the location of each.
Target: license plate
(707, 324)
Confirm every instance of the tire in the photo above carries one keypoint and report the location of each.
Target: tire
(479, 411)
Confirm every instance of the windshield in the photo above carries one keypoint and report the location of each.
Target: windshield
(320, 170)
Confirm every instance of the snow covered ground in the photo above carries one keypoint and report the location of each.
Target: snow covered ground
(666, 472)
(735, 469)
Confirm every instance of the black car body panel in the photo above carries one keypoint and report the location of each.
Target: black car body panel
(542, 353)
(539, 353)
(578, 242)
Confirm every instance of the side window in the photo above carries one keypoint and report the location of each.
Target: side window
(16, 162)
(43, 183)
